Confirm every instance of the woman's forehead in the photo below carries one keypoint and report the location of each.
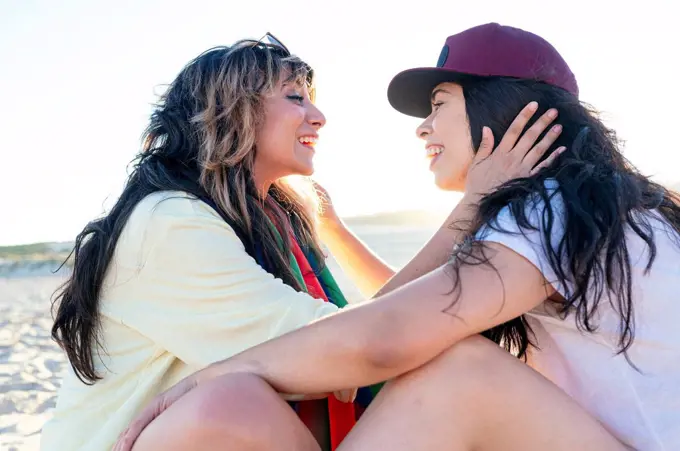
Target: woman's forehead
(289, 79)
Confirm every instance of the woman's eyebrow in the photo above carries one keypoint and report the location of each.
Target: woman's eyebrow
(437, 91)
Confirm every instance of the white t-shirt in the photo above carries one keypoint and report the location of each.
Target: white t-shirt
(642, 408)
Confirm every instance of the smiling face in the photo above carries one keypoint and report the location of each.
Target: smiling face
(285, 141)
(446, 133)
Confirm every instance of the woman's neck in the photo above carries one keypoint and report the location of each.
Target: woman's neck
(263, 181)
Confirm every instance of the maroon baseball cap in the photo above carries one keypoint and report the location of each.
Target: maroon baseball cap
(483, 51)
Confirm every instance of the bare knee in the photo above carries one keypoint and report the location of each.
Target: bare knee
(470, 362)
(475, 351)
(236, 406)
(234, 412)
(235, 398)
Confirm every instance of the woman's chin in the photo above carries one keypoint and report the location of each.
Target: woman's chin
(450, 176)
(308, 170)
(305, 170)
(447, 184)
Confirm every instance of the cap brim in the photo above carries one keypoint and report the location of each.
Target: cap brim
(409, 91)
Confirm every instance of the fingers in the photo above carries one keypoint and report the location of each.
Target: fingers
(127, 439)
(346, 396)
(123, 443)
(341, 395)
(548, 161)
(486, 146)
(529, 138)
(307, 397)
(515, 130)
(536, 153)
(157, 406)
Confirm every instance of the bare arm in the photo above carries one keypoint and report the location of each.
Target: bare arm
(438, 249)
(394, 334)
(368, 271)
(373, 276)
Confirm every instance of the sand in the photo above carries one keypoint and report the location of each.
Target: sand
(31, 364)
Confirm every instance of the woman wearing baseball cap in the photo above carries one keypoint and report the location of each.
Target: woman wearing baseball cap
(575, 269)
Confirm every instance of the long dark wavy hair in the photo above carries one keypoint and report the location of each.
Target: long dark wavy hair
(200, 140)
(603, 196)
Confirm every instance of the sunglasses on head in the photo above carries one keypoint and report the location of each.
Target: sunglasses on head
(272, 41)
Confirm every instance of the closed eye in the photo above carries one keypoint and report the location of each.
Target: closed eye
(297, 98)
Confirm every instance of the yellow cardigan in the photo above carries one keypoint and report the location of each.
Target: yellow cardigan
(181, 293)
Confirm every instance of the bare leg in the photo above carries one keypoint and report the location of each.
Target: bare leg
(236, 413)
(476, 396)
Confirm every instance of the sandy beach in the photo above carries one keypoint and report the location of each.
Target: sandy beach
(31, 364)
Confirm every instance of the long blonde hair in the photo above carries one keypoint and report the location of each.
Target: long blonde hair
(200, 140)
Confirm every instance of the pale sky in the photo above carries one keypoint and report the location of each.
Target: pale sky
(78, 78)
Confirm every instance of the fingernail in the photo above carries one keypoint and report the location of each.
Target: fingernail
(552, 113)
(557, 128)
(561, 149)
(533, 106)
